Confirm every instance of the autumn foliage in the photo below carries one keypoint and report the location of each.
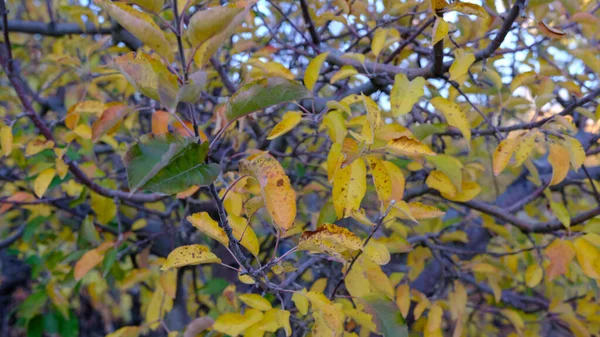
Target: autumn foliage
(323, 168)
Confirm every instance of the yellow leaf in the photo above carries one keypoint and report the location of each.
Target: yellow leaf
(89, 260)
(533, 275)
(334, 160)
(301, 301)
(377, 252)
(327, 312)
(439, 181)
(470, 9)
(451, 167)
(311, 75)
(256, 301)
(405, 94)
(344, 72)
(421, 211)
(470, 190)
(42, 181)
(288, 122)
(434, 321)
(349, 188)
(561, 212)
(104, 208)
(205, 24)
(378, 41)
(336, 125)
(559, 159)
(139, 24)
(437, 5)
(37, 145)
(397, 180)
(461, 64)
(455, 116)
(515, 319)
(524, 147)
(189, 255)
(329, 239)
(159, 305)
(440, 30)
(587, 255)
(503, 153)
(408, 146)
(403, 298)
(244, 233)
(234, 324)
(168, 281)
(126, 331)
(276, 189)
(246, 279)
(6, 139)
(208, 226)
(561, 253)
(576, 152)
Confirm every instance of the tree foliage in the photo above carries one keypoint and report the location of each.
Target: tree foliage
(299, 168)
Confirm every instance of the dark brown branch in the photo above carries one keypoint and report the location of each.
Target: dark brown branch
(311, 25)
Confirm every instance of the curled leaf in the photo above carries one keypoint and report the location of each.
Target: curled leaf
(189, 255)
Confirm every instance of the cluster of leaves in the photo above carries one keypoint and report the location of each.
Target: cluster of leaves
(300, 168)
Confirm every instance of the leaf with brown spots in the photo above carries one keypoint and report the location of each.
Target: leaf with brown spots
(276, 189)
(189, 255)
(330, 239)
(409, 146)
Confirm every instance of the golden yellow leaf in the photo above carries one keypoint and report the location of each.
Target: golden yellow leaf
(189, 255)
(126, 331)
(327, 312)
(377, 252)
(381, 179)
(533, 275)
(256, 301)
(105, 208)
(403, 298)
(434, 321)
(234, 324)
(524, 147)
(405, 94)
(159, 305)
(450, 166)
(461, 64)
(439, 181)
(37, 145)
(349, 188)
(336, 126)
(503, 153)
(276, 189)
(139, 24)
(208, 226)
(397, 180)
(515, 319)
(455, 116)
(89, 260)
(168, 281)
(576, 152)
(334, 160)
(6, 139)
(42, 181)
(587, 255)
(408, 146)
(344, 72)
(330, 239)
(437, 5)
(244, 233)
(559, 159)
(470, 9)
(288, 122)
(440, 30)
(378, 41)
(301, 301)
(470, 190)
(311, 75)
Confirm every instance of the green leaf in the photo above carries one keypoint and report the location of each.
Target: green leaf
(168, 164)
(263, 93)
(386, 316)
